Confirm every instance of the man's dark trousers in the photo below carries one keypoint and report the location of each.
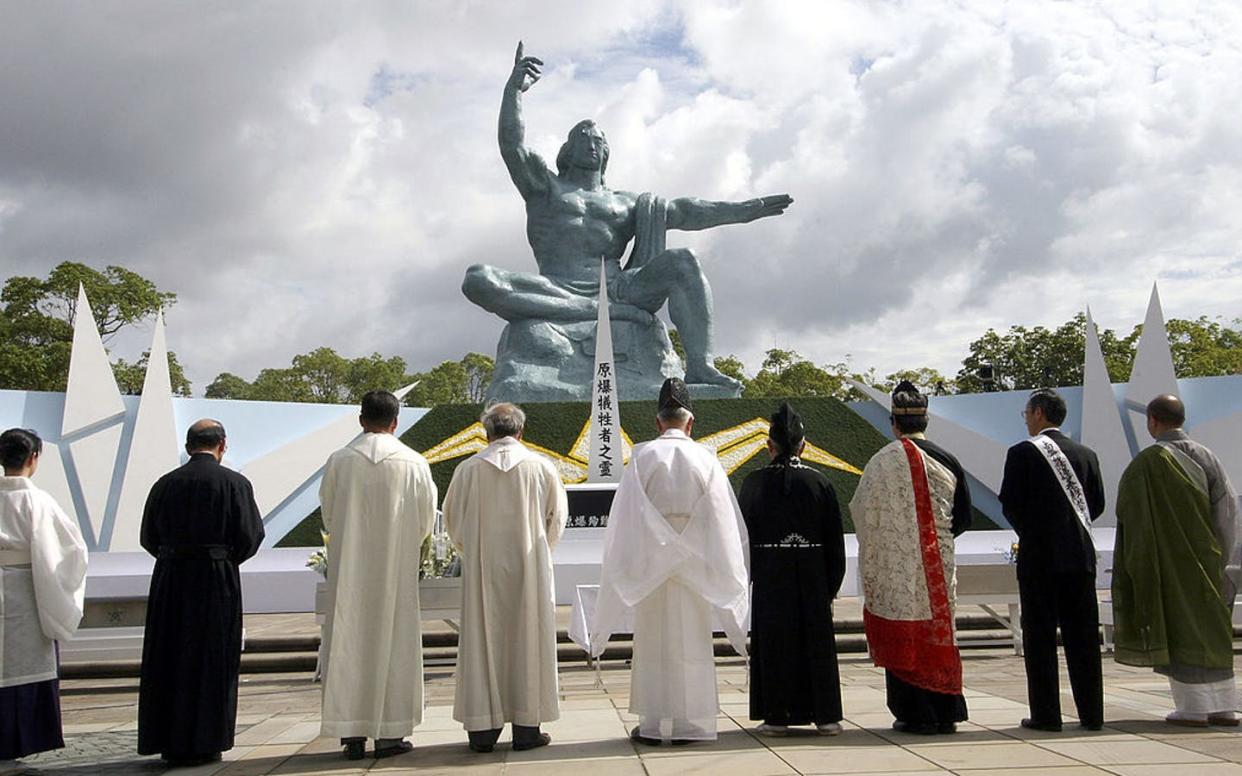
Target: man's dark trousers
(1068, 600)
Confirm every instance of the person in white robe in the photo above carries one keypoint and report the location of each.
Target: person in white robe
(42, 587)
(378, 502)
(504, 510)
(675, 552)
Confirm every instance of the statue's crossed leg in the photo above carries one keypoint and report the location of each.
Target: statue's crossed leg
(673, 276)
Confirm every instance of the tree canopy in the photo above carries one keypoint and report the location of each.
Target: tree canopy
(323, 375)
(1023, 358)
(36, 323)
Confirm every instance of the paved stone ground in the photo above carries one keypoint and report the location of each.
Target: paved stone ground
(278, 732)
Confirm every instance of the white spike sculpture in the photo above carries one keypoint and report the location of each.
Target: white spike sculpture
(1102, 428)
(93, 419)
(154, 447)
(92, 396)
(1152, 374)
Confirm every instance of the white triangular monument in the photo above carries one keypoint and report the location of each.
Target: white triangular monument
(1153, 372)
(1102, 428)
(92, 422)
(604, 461)
(92, 395)
(154, 447)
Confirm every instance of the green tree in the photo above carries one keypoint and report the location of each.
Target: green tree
(786, 373)
(36, 322)
(448, 383)
(228, 386)
(926, 379)
(280, 385)
(732, 366)
(130, 377)
(322, 375)
(1024, 359)
(1203, 347)
(325, 375)
(479, 370)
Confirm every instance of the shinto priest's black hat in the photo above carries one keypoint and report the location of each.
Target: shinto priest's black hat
(674, 393)
(786, 429)
(907, 400)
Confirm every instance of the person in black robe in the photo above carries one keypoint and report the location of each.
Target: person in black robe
(200, 523)
(916, 709)
(797, 562)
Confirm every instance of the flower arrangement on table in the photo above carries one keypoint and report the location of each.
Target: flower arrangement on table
(1010, 556)
(318, 560)
(436, 556)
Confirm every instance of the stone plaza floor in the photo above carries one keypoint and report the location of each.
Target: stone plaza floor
(278, 732)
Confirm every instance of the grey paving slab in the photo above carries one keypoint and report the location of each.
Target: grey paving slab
(278, 732)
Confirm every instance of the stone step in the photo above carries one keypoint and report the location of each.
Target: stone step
(295, 654)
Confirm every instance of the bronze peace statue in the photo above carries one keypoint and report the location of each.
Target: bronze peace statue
(546, 352)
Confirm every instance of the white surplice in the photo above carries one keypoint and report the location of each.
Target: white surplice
(505, 509)
(378, 502)
(674, 551)
(42, 581)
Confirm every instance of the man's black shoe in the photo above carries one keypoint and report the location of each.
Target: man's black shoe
(401, 747)
(1047, 727)
(522, 745)
(355, 749)
(945, 728)
(1092, 725)
(636, 736)
(915, 728)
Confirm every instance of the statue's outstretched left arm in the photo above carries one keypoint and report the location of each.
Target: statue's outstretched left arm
(690, 213)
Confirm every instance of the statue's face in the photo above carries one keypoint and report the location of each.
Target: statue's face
(589, 148)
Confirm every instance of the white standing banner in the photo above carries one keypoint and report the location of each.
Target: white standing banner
(604, 461)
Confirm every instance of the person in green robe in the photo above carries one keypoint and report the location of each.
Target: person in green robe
(1176, 569)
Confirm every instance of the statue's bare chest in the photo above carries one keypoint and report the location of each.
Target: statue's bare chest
(593, 208)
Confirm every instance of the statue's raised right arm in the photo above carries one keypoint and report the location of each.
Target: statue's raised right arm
(526, 168)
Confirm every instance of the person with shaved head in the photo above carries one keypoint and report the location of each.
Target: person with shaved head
(200, 522)
(1176, 566)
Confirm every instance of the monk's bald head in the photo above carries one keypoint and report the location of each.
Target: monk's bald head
(204, 435)
(1167, 410)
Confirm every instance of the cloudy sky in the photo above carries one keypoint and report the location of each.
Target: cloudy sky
(307, 174)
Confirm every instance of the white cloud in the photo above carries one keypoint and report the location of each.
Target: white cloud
(322, 175)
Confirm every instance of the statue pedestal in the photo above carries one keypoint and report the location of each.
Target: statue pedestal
(545, 361)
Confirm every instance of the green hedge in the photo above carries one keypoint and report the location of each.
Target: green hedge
(830, 425)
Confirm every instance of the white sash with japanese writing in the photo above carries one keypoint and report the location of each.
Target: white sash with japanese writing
(1064, 474)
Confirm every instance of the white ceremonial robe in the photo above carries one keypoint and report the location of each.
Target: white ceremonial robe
(42, 581)
(379, 503)
(676, 552)
(505, 509)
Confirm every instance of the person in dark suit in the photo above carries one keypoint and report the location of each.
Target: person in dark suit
(200, 523)
(1051, 490)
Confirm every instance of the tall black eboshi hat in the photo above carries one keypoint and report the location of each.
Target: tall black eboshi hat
(674, 393)
(786, 430)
